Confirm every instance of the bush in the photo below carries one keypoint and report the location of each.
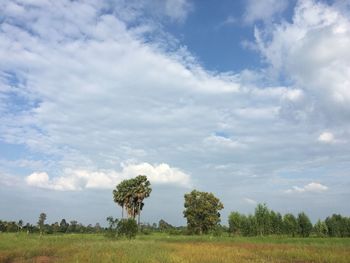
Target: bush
(127, 228)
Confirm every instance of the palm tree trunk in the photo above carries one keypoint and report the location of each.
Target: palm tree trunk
(139, 215)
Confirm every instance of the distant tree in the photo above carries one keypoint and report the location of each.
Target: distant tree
(112, 226)
(290, 225)
(63, 226)
(249, 225)
(55, 227)
(164, 226)
(235, 221)
(20, 225)
(202, 211)
(262, 215)
(127, 228)
(41, 222)
(276, 223)
(305, 225)
(321, 229)
(97, 228)
(338, 226)
(72, 228)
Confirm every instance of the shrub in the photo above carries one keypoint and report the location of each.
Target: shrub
(127, 228)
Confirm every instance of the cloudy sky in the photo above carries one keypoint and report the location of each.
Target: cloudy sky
(249, 100)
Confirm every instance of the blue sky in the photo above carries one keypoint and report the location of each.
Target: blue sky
(245, 99)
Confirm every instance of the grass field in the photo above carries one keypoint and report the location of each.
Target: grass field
(163, 248)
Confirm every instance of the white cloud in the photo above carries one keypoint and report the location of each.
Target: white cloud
(326, 137)
(222, 142)
(178, 9)
(79, 179)
(263, 10)
(312, 52)
(250, 201)
(309, 188)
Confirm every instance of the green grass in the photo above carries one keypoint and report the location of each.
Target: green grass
(164, 248)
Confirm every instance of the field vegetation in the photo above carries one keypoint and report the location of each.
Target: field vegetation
(162, 247)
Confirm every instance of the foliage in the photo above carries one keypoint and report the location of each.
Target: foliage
(235, 221)
(164, 226)
(41, 222)
(112, 227)
(305, 225)
(202, 211)
(129, 194)
(127, 228)
(338, 226)
(163, 248)
(321, 229)
(262, 216)
(290, 225)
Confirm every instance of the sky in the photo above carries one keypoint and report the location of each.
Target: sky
(249, 100)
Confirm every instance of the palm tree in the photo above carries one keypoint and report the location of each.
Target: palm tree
(120, 195)
(142, 191)
(129, 194)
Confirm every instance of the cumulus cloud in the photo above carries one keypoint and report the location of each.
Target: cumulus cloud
(312, 52)
(309, 188)
(79, 179)
(326, 137)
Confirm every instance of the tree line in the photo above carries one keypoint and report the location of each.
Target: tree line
(202, 212)
(268, 222)
(43, 228)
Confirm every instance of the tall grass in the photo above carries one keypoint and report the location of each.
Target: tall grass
(164, 248)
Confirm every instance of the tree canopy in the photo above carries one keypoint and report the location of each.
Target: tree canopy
(202, 211)
(129, 194)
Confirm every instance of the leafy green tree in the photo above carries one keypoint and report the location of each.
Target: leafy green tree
(321, 229)
(338, 226)
(55, 227)
(127, 227)
(305, 225)
(63, 226)
(249, 225)
(262, 215)
(20, 225)
(164, 226)
(235, 223)
(41, 222)
(276, 223)
(202, 211)
(290, 225)
(73, 226)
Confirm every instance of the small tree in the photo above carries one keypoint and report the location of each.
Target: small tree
(202, 211)
(321, 229)
(290, 225)
(127, 227)
(262, 215)
(305, 225)
(63, 226)
(164, 226)
(41, 222)
(235, 223)
(20, 225)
